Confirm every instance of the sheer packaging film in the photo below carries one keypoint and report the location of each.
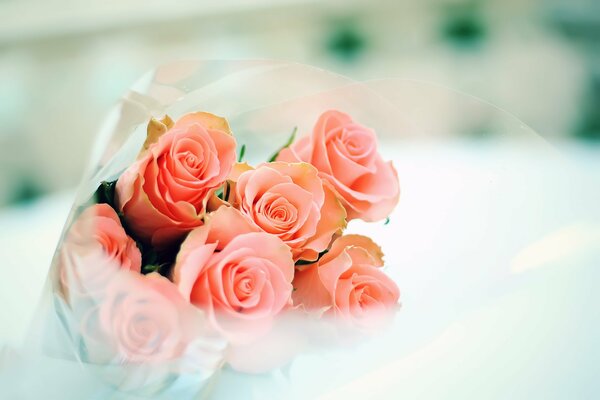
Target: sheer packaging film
(111, 328)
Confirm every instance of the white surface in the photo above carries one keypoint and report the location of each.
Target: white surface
(497, 254)
(28, 236)
(496, 251)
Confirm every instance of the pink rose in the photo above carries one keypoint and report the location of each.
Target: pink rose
(347, 282)
(95, 248)
(290, 201)
(345, 153)
(140, 319)
(240, 277)
(163, 195)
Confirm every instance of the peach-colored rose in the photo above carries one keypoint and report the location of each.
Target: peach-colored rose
(240, 277)
(141, 319)
(345, 153)
(289, 200)
(163, 195)
(347, 282)
(95, 248)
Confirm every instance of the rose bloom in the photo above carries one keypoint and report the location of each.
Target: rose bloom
(345, 153)
(290, 201)
(347, 283)
(141, 318)
(95, 248)
(163, 195)
(145, 334)
(240, 277)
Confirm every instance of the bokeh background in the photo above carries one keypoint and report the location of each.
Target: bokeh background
(64, 63)
(495, 245)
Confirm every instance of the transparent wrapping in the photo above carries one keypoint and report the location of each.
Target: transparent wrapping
(462, 238)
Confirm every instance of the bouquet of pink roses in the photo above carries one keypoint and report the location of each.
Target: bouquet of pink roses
(196, 244)
(208, 254)
(187, 227)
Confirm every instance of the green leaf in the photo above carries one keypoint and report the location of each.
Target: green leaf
(242, 153)
(161, 268)
(149, 258)
(226, 194)
(306, 262)
(220, 191)
(286, 145)
(387, 221)
(105, 194)
(147, 269)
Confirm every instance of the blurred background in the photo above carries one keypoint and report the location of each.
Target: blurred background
(65, 63)
(503, 303)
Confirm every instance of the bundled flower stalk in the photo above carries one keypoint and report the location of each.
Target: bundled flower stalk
(192, 253)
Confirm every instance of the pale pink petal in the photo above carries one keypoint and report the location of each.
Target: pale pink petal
(363, 242)
(192, 258)
(303, 175)
(226, 223)
(331, 222)
(309, 291)
(331, 270)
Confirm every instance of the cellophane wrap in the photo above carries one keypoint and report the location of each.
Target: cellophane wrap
(68, 354)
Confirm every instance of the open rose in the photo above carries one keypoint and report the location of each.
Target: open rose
(347, 283)
(143, 324)
(95, 248)
(289, 200)
(240, 277)
(163, 195)
(141, 318)
(345, 153)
